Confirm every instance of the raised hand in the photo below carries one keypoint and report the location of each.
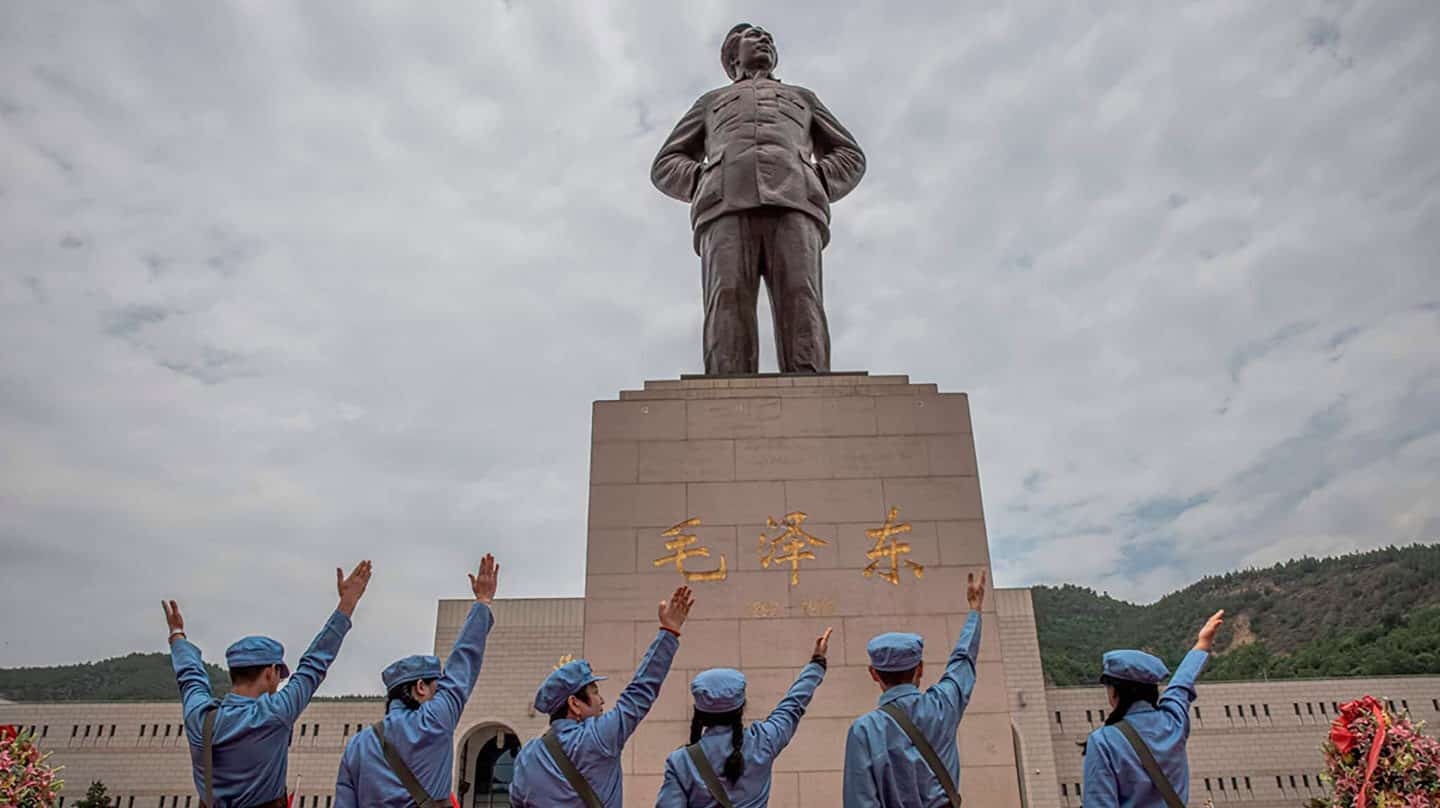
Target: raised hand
(1207, 634)
(975, 592)
(674, 611)
(484, 582)
(173, 618)
(351, 587)
(822, 643)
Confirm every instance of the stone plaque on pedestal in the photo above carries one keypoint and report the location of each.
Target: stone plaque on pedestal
(791, 503)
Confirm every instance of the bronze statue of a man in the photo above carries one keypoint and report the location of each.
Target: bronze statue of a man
(760, 161)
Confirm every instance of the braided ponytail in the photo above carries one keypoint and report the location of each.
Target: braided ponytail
(735, 764)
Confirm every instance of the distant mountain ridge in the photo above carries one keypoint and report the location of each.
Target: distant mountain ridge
(133, 677)
(1365, 614)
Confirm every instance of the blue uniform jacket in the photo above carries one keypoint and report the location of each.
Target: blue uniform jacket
(252, 736)
(882, 767)
(594, 744)
(764, 740)
(1113, 775)
(424, 738)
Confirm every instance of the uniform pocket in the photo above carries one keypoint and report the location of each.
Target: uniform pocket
(711, 188)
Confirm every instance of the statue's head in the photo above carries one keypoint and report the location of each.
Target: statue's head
(748, 49)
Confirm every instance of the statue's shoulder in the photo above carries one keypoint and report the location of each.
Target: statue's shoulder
(796, 88)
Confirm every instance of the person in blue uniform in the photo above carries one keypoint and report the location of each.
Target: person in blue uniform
(424, 703)
(882, 766)
(589, 738)
(740, 757)
(1114, 775)
(252, 724)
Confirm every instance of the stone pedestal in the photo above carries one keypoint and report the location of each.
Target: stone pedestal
(843, 449)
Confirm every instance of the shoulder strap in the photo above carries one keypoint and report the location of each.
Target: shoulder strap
(572, 775)
(707, 773)
(1152, 768)
(207, 752)
(922, 744)
(407, 777)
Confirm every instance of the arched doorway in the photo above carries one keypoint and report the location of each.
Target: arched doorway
(487, 765)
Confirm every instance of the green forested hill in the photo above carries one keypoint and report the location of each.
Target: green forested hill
(1375, 613)
(135, 677)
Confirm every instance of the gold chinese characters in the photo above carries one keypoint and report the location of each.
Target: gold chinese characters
(888, 547)
(678, 543)
(792, 541)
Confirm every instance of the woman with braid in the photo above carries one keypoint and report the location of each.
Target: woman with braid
(727, 763)
(1138, 760)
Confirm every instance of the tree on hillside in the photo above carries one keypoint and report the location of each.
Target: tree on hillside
(95, 796)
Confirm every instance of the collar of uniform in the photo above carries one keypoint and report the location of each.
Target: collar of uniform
(563, 724)
(394, 704)
(766, 77)
(715, 730)
(897, 692)
(237, 697)
(1139, 707)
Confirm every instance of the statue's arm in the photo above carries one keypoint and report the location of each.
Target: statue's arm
(677, 167)
(840, 160)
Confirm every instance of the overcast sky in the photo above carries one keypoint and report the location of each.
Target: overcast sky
(283, 286)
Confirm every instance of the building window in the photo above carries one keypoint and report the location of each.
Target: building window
(187, 801)
(1064, 789)
(327, 801)
(45, 730)
(167, 730)
(1334, 708)
(1247, 784)
(142, 731)
(131, 803)
(1234, 784)
(1278, 783)
(154, 730)
(1297, 708)
(1391, 704)
(346, 731)
(1227, 711)
(87, 730)
(1089, 717)
(1322, 708)
(1101, 714)
(1077, 790)
(1305, 778)
(74, 728)
(1221, 782)
(1435, 703)
(1197, 713)
(112, 730)
(315, 732)
(1292, 782)
(1404, 705)
(1267, 710)
(1253, 714)
(1207, 783)
(303, 727)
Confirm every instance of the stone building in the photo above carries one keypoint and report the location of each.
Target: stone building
(796, 483)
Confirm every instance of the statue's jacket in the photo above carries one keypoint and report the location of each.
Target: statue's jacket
(758, 143)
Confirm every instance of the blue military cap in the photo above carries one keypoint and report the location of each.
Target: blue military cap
(410, 669)
(248, 652)
(895, 651)
(718, 690)
(562, 683)
(1134, 666)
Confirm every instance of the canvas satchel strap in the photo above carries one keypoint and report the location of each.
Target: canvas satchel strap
(707, 773)
(922, 745)
(572, 775)
(407, 777)
(207, 752)
(1151, 766)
